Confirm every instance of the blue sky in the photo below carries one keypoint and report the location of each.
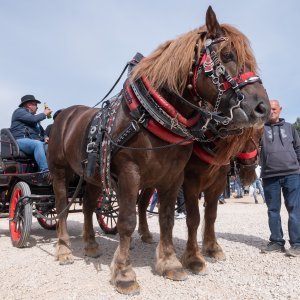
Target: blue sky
(68, 52)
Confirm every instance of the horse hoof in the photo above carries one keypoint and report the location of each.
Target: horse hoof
(94, 252)
(197, 267)
(147, 239)
(66, 260)
(176, 274)
(128, 287)
(217, 255)
(220, 256)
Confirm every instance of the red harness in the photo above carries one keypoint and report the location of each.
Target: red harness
(165, 134)
(161, 132)
(203, 155)
(247, 155)
(152, 125)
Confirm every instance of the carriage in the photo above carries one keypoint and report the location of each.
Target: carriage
(26, 192)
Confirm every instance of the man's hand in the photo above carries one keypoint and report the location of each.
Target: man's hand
(47, 111)
(46, 140)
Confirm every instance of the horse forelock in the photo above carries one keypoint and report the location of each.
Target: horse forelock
(169, 65)
(241, 44)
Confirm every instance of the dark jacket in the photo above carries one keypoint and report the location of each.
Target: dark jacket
(26, 125)
(280, 152)
(48, 130)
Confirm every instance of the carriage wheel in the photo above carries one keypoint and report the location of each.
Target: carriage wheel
(107, 215)
(20, 228)
(48, 224)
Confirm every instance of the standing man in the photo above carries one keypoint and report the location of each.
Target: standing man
(280, 157)
(29, 134)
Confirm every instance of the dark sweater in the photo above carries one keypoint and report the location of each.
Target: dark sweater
(26, 125)
(280, 152)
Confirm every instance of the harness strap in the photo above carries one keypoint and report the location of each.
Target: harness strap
(247, 155)
(138, 90)
(125, 136)
(203, 155)
(92, 147)
(141, 116)
(168, 107)
(241, 80)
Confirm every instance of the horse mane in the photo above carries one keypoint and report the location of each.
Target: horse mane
(169, 65)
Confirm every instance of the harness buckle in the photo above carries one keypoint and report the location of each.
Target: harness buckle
(135, 125)
(141, 119)
(220, 70)
(208, 42)
(91, 147)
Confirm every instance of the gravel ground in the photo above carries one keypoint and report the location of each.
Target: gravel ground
(242, 229)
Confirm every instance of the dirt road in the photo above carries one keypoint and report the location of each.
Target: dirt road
(32, 273)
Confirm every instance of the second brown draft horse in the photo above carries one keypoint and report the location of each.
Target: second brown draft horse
(201, 85)
(210, 177)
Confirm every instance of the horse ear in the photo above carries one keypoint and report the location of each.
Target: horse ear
(212, 24)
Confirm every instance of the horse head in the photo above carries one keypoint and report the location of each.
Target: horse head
(211, 70)
(224, 74)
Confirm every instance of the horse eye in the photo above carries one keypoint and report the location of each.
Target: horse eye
(228, 56)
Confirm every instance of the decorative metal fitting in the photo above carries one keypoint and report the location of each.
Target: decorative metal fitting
(208, 42)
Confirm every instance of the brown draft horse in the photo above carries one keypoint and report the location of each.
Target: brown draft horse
(200, 176)
(208, 71)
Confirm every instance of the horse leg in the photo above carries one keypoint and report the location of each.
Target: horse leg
(210, 246)
(122, 275)
(63, 251)
(143, 228)
(167, 264)
(192, 258)
(89, 206)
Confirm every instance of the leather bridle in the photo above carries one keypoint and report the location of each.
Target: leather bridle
(209, 63)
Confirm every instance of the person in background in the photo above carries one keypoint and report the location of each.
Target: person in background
(280, 172)
(48, 128)
(29, 134)
(154, 201)
(258, 185)
(222, 199)
(180, 213)
(238, 187)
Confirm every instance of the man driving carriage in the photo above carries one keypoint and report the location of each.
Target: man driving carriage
(29, 134)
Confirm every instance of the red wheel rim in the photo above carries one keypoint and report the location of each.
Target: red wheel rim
(103, 220)
(15, 232)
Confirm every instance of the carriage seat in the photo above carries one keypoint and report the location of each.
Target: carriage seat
(9, 148)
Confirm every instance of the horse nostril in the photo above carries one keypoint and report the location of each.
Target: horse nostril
(261, 109)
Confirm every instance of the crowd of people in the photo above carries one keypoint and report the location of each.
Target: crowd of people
(278, 173)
